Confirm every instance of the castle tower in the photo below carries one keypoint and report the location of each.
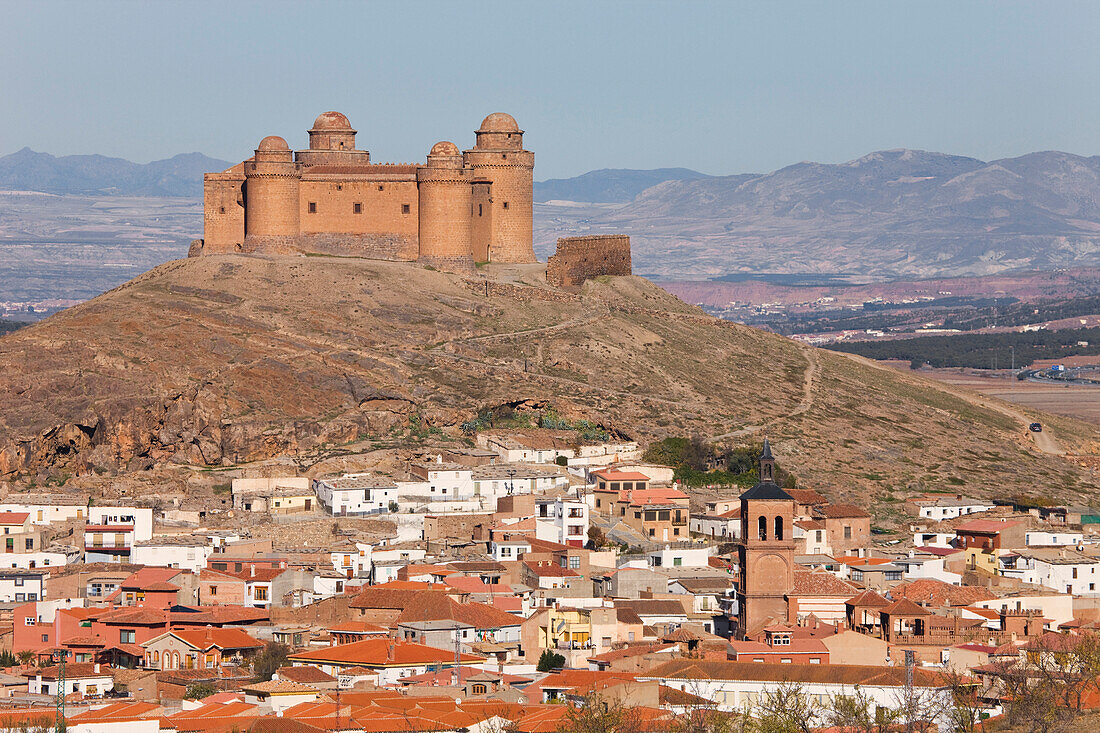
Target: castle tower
(332, 142)
(498, 156)
(445, 203)
(271, 182)
(766, 550)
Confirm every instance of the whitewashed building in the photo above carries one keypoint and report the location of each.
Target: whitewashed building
(356, 494)
(20, 586)
(186, 552)
(563, 520)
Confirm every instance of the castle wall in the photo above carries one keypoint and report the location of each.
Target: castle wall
(223, 212)
(481, 220)
(445, 224)
(382, 229)
(580, 258)
(512, 208)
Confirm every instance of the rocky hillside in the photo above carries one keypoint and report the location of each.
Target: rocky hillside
(180, 175)
(221, 360)
(896, 213)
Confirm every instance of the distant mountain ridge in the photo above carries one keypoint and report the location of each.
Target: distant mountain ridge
(891, 213)
(180, 175)
(610, 185)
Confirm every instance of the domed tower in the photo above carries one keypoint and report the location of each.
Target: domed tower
(498, 156)
(271, 181)
(445, 201)
(332, 142)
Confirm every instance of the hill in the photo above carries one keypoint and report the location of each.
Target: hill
(220, 360)
(610, 185)
(895, 213)
(180, 175)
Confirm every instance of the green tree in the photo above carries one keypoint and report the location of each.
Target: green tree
(7, 659)
(550, 660)
(267, 662)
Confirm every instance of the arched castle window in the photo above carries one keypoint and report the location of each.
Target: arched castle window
(779, 528)
(763, 525)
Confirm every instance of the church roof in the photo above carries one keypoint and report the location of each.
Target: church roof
(767, 490)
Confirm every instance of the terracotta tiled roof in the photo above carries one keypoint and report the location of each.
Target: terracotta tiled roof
(220, 638)
(845, 674)
(381, 653)
(10, 518)
(930, 592)
(280, 687)
(821, 583)
(632, 650)
(806, 496)
(547, 569)
(869, 599)
(440, 607)
(306, 674)
(390, 598)
(985, 526)
(905, 607)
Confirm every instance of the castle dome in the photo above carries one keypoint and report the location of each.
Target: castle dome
(331, 121)
(273, 142)
(499, 122)
(444, 147)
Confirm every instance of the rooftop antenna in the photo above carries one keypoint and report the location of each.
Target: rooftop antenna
(455, 675)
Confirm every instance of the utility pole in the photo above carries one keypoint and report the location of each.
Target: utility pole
(910, 660)
(59, 722)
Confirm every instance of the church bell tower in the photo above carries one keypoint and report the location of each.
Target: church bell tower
(765, 552)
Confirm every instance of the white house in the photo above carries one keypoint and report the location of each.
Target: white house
(1052, 538)
(46, 508)
(508, 550)
(20, 586)
(32, 560)
(563, 520)
(918, 566)
(186, 552)
(739, 686)
(1058, 607)
(356, 494)
(677, 557)
(354, 561)
(725, 526)
(934, 539)
(528, 449)
(140, 518)
(1066, 571)
(940, 508)
(84, 677)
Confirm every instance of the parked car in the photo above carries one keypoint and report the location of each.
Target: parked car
(1035, 427)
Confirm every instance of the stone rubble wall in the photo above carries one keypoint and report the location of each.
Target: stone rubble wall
(581, 258)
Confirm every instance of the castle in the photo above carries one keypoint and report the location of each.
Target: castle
(458, 208)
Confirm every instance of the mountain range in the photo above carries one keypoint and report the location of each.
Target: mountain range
(180, 175)
(610, 185)
(894, 213)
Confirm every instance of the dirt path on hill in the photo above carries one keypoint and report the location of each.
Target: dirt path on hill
(807, 401)
(1044, 440)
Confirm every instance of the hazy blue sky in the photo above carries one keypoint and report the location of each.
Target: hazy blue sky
(721, 87)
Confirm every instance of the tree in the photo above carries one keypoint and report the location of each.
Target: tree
(7, 659)
(596, 537)
(199, 690)
(267, 662)
(550, 660)
(25, 656)
(786, 709)
(859, 714)
(596, 715)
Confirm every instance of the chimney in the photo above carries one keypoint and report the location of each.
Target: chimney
(96, 669)
(253, 569)
(389, 652)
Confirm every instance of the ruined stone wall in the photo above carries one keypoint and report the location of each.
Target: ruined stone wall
(580, 258)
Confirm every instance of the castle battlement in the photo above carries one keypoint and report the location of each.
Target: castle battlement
(457, 208)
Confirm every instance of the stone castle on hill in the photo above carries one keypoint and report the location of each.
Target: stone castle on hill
(458, 208)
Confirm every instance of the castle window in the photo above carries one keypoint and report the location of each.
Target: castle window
(221, 210)
(405, 208)
(358, 208)
(479, 209)
(379, 187)
(313, 207)
(339, 187)
(506, 204)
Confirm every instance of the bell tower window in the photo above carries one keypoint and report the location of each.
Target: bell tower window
(762, 525)
(779, 528)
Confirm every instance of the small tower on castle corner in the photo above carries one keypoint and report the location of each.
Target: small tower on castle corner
(498, 157)
(765, 552)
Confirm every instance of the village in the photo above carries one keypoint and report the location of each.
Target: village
(489, 584)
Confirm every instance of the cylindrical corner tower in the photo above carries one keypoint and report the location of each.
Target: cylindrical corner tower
(445, 201)
(499, 157)
(271, 187)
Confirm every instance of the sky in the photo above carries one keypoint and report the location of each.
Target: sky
(720, 87)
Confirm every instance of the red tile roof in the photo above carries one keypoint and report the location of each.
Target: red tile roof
(821, 583)
(10, 518)
(611, 474)
(220, 638)
(930, 592)
(547, 569)
(381, 653)
(985, 526)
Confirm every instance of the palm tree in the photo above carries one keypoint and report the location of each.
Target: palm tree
(25, 657)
